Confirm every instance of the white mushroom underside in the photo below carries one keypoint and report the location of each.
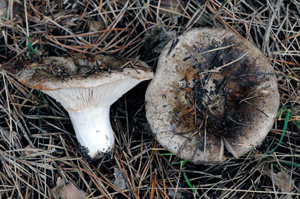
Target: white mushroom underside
(89, 112)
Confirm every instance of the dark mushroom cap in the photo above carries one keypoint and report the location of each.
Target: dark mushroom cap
(212, 89)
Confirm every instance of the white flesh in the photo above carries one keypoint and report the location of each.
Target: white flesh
(89, 112)
(93, 129)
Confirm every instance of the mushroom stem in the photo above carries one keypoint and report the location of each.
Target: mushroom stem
(93, 129)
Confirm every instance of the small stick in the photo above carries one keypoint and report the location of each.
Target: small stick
(221, 67)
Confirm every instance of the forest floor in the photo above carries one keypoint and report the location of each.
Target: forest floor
(39, 153)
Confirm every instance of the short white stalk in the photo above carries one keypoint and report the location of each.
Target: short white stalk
(93, 129)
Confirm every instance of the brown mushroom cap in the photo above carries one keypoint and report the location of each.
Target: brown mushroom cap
(212, 89)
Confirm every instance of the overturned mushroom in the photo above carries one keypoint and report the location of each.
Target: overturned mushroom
(212, 90)
(86, 88)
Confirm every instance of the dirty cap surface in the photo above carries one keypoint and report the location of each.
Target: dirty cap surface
(213, 91)
(55, 73)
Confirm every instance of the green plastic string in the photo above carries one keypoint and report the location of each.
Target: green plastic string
(44, 98)
(170, 154)
(298, 124)
(287, 117)
(289, 163)
(183, 173)
(185, 177)
(31, 48)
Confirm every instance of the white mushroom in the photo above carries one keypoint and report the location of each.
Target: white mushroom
(213, 90)
(86, 88)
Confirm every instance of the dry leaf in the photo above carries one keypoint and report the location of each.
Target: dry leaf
(28, 150)
(119, 179)
(68, 191)
(281, 180)
(96, 26)
(71, 192)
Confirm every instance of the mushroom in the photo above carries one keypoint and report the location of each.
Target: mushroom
(86, 88)
(212, 90)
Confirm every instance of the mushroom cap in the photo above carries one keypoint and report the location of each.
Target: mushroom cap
(212, 90)
(55, 73)
(80, 82)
